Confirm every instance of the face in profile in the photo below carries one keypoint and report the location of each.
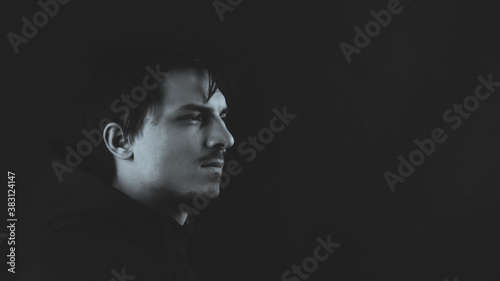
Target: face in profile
(182, 153)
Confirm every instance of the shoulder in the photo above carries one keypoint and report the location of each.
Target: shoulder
(85, 252)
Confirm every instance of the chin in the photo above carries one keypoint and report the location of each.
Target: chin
(212, 191)
(211, 188)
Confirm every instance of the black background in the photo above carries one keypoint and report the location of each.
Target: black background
(324, 173)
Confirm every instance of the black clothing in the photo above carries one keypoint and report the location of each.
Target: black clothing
(91, 231)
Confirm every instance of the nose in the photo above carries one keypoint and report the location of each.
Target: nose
(219, 136)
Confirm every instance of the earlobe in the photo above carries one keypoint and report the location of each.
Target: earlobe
(116, 142)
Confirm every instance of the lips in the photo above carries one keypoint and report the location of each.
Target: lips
(215, 159)
(216, 163)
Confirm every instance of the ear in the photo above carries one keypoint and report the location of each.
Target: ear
(116, 142)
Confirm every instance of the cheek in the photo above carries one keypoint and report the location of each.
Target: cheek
(177, 152)
(173, 164)
(149, 149)
(161, 153)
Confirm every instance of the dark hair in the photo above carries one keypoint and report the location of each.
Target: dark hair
(107, 76)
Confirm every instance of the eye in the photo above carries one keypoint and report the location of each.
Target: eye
(196, 117)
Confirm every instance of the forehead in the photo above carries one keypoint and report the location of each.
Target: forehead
(189, 86)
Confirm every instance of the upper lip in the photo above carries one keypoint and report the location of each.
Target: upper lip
(218, 162)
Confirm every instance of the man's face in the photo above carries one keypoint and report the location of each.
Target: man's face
(181, 155)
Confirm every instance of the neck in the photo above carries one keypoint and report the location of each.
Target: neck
(180, 217)
(130, 188)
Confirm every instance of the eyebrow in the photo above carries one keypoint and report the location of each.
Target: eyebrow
(200, 108)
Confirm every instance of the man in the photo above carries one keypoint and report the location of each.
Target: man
(158, 148)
